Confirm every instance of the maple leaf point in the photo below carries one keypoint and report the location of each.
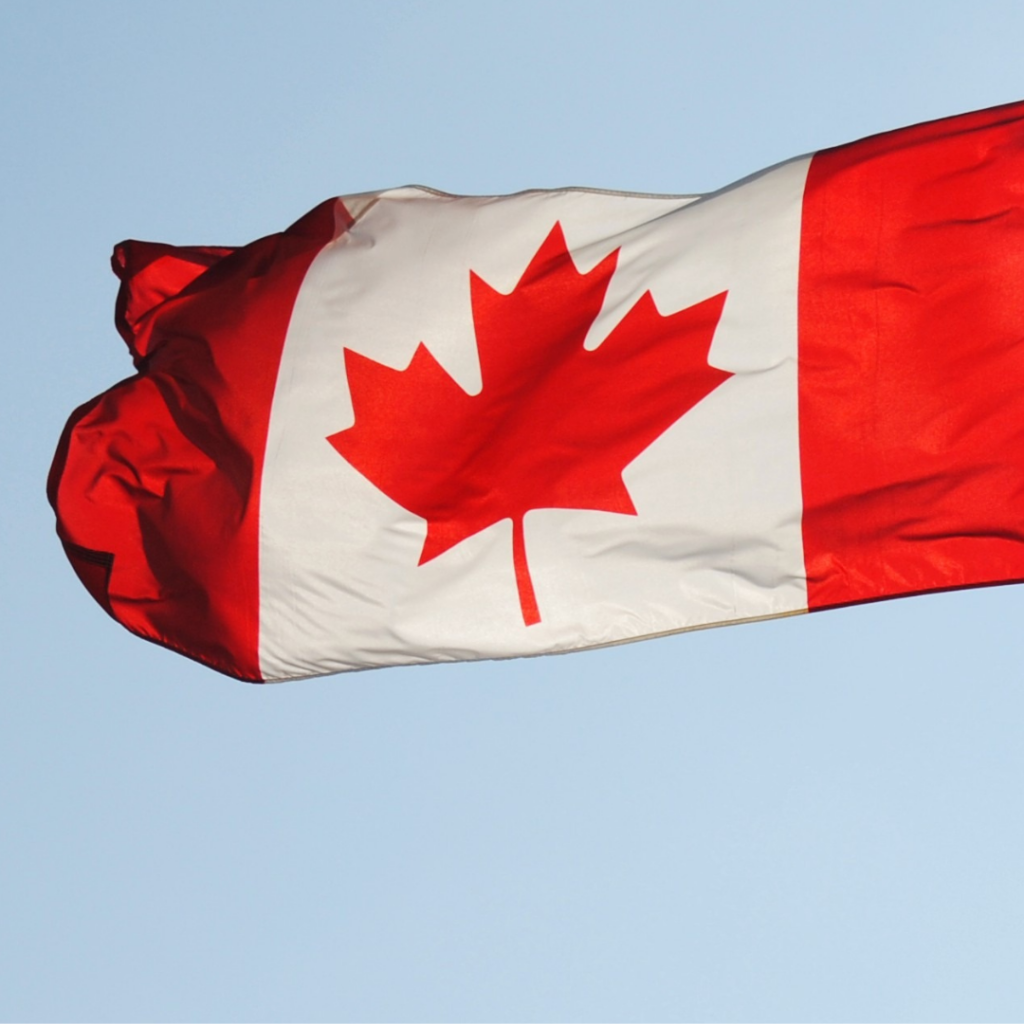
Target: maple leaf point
(554, 424)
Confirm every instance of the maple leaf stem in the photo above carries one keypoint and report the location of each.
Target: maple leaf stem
(527, 598)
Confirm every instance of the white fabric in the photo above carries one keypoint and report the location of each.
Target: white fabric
(717, 537)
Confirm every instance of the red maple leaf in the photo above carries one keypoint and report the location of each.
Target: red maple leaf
(554, 424)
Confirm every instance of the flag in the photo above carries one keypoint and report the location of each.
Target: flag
(418, 427)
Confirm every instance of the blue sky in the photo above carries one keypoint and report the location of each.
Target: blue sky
(811, 819)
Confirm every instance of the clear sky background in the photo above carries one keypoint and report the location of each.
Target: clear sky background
(813, 818)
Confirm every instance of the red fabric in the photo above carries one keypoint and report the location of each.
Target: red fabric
(156, 483)
(912, 360)
(152, 273)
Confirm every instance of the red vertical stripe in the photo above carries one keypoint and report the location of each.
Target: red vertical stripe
(912, 360)
(156, 483)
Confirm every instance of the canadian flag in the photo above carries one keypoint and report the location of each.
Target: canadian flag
(420, 427)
